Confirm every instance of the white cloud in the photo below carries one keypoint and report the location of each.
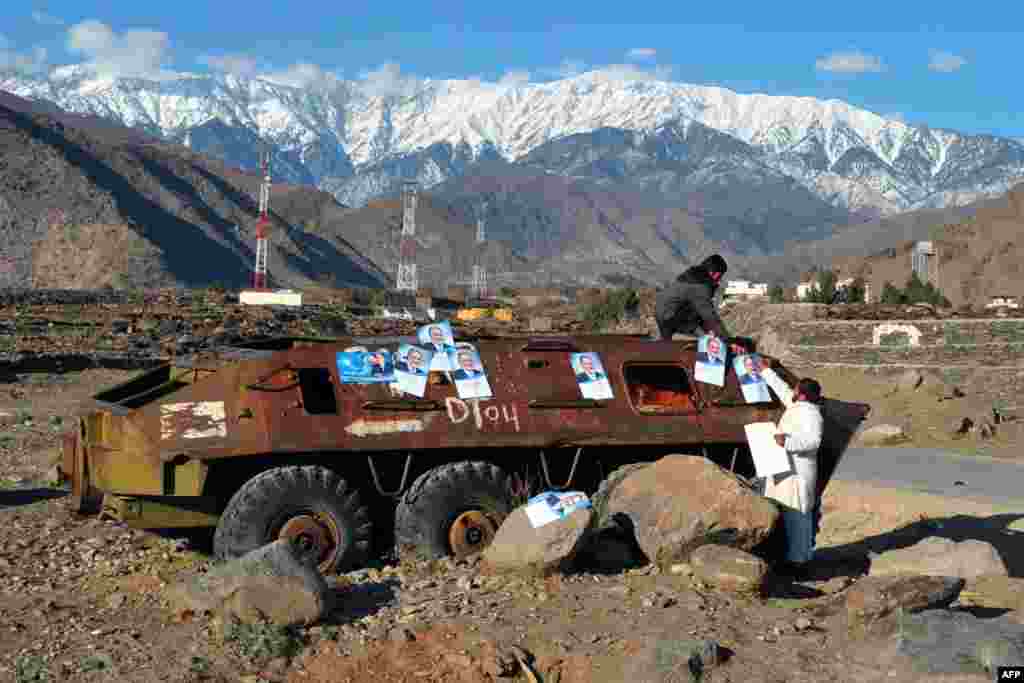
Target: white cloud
(895, 116)
(33, 64)
(387, 81)
(302, 75)
(631, 72)
(850, 63)
(138, 52)
(515, 77)
(239, 65)
(945, 62)
(641, 53)
(46, 19)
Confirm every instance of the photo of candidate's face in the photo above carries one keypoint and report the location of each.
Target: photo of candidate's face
(466, 361)
(436, 334)
(752, 366)
(587, 364)
(377, 359)
(415, 359)
(714, 347)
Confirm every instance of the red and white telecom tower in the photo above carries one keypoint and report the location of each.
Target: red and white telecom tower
(407, 280)
(259, 272)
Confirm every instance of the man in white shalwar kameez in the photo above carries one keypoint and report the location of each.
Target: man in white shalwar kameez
(800, 430)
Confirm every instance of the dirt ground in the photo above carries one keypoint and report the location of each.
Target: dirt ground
(81, 599)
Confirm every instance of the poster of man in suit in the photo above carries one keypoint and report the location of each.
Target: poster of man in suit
(411, 369)
(710, 365)
(439, 340)
(748, 368)
(469, 376)
(590, 376)
(365, 367)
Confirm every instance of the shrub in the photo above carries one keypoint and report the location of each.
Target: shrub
(612, 309)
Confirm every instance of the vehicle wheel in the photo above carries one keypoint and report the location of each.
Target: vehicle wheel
(453, 509)
(599, 501)
(311, 503)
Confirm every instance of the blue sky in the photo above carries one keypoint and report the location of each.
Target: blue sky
(948, 65)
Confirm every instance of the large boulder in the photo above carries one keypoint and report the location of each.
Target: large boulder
(994, 591)
(519, 546)
(882, 435)
(682, 502)
(875, 603)
(945, 642)
(279, 583)
(935, 556)
(729, 568)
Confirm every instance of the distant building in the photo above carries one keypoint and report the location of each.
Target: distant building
(923, 262)
(744, 289)
(805, 288)
(538, 296)
(1003, 302)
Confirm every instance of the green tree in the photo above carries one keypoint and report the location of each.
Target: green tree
(824, 288)
(891, 295)
(856, 291)
(776, 295)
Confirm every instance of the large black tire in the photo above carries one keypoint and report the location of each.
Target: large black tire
(599, 501)
(464, 501)
(310, 502)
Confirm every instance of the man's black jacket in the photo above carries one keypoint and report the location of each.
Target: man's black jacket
(688, 303)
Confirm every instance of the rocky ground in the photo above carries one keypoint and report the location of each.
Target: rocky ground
(85, 599)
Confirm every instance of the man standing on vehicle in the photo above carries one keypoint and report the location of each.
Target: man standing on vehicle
(688, 305)
(800, 428)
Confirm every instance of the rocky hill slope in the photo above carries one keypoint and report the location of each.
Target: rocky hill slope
(84, 203)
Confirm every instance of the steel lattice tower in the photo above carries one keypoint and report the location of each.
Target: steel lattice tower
(406, 279)
(259, 273)
(479, 287)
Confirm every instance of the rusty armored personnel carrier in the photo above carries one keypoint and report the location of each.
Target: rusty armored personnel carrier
(266, 441)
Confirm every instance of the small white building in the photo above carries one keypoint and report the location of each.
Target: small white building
(279, 297)
(805, 288)
(1003, 302)
(744, 289)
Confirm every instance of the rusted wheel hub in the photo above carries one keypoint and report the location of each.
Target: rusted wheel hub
(470, 533)
(317, 535)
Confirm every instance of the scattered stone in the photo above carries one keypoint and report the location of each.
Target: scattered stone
(402, 634)
(682, 502)
(729, 568)
(909, 381)
(681, 569)
(935, 556)
(875, 603)
(802, 624)
(672, 659)
(945, 642)
(884, 434)
(994, 591)
(277, 582)
(552, 547)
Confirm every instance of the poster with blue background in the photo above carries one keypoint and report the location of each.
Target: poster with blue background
(366, 367)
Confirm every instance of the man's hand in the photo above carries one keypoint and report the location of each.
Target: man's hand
(781, 440)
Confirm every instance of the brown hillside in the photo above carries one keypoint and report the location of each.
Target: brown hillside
(154, 214)
(980, 257)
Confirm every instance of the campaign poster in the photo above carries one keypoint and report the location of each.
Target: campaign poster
(468, 372)
(365, 367)
(439, 340)
(412, 365)
(552, 506)
(590, 376)
(748, 368)
(710, 365)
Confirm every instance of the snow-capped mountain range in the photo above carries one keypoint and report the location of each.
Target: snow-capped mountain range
(358, 143)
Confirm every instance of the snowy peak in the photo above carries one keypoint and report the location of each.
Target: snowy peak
(338, 131)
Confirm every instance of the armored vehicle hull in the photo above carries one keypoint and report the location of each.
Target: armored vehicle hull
(272, 440)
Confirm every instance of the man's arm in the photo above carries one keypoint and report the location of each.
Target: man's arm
(705, 307)
(779, 386)
(806, 436)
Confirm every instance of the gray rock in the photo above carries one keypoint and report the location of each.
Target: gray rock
(729, 568)
(875, 604)
(671, 659)
(682, 502)
(945, 642)
(883, 434)
(909, 381)
(518, 546)
(935, 556)
(277, 582)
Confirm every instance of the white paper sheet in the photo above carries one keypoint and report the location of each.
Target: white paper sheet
(769, 457)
